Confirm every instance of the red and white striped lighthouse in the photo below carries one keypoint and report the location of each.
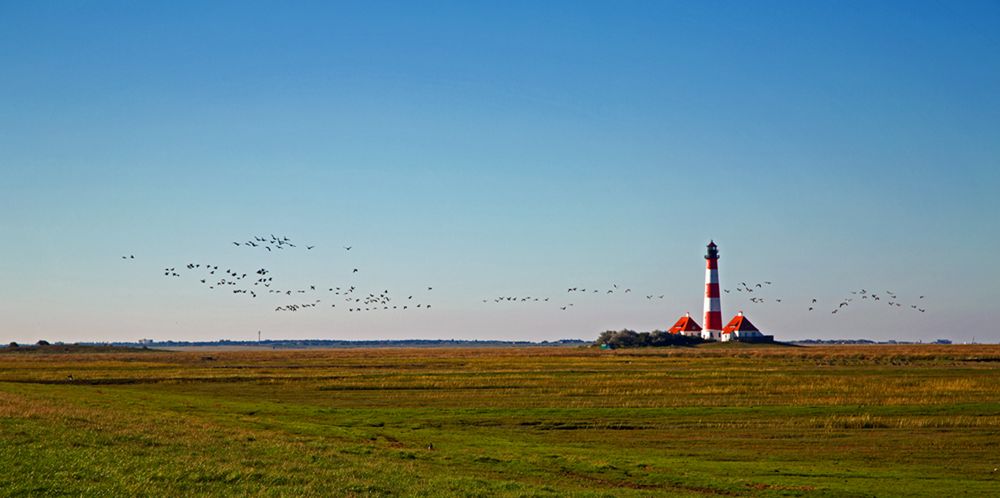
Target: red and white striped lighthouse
(713, 307)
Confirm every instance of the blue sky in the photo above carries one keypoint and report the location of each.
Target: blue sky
(498, 149)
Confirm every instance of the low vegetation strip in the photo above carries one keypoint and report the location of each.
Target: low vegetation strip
(811, 421)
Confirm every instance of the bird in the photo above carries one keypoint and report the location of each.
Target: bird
(355, 270)
(347, 248)
(309, 247)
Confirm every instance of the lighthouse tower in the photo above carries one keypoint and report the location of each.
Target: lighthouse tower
(713, 307)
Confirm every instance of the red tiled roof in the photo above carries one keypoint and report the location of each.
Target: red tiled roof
(685, 324)
(739, 323)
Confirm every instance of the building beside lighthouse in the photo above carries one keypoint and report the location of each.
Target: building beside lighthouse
(686, 326)
(712, 330)
(740, 329)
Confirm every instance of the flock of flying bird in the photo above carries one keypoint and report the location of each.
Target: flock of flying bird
(270, 243)
(755, 292)
(890, 298)
(261, 282)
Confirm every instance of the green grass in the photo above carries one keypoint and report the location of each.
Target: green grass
(831, 421)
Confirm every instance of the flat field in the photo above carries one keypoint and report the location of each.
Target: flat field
(817, 421)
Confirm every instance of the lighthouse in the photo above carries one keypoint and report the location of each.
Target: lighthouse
(713, 307)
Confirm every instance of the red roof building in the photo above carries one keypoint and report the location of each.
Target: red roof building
(740, 323)
(686, 326)
(740, 329)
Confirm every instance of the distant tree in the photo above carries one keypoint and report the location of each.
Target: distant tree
(605, 337)
(624, 338)
(12, 345)
(660, 338)
(42, 342)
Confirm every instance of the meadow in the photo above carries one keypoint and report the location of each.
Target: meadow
(737, 421)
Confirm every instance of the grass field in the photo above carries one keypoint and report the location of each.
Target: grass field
(818, 421)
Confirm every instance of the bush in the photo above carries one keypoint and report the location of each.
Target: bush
(626, 338)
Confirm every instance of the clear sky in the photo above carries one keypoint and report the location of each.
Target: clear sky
(492, 149)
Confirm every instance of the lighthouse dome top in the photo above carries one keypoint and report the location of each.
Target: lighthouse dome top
(713, 251)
